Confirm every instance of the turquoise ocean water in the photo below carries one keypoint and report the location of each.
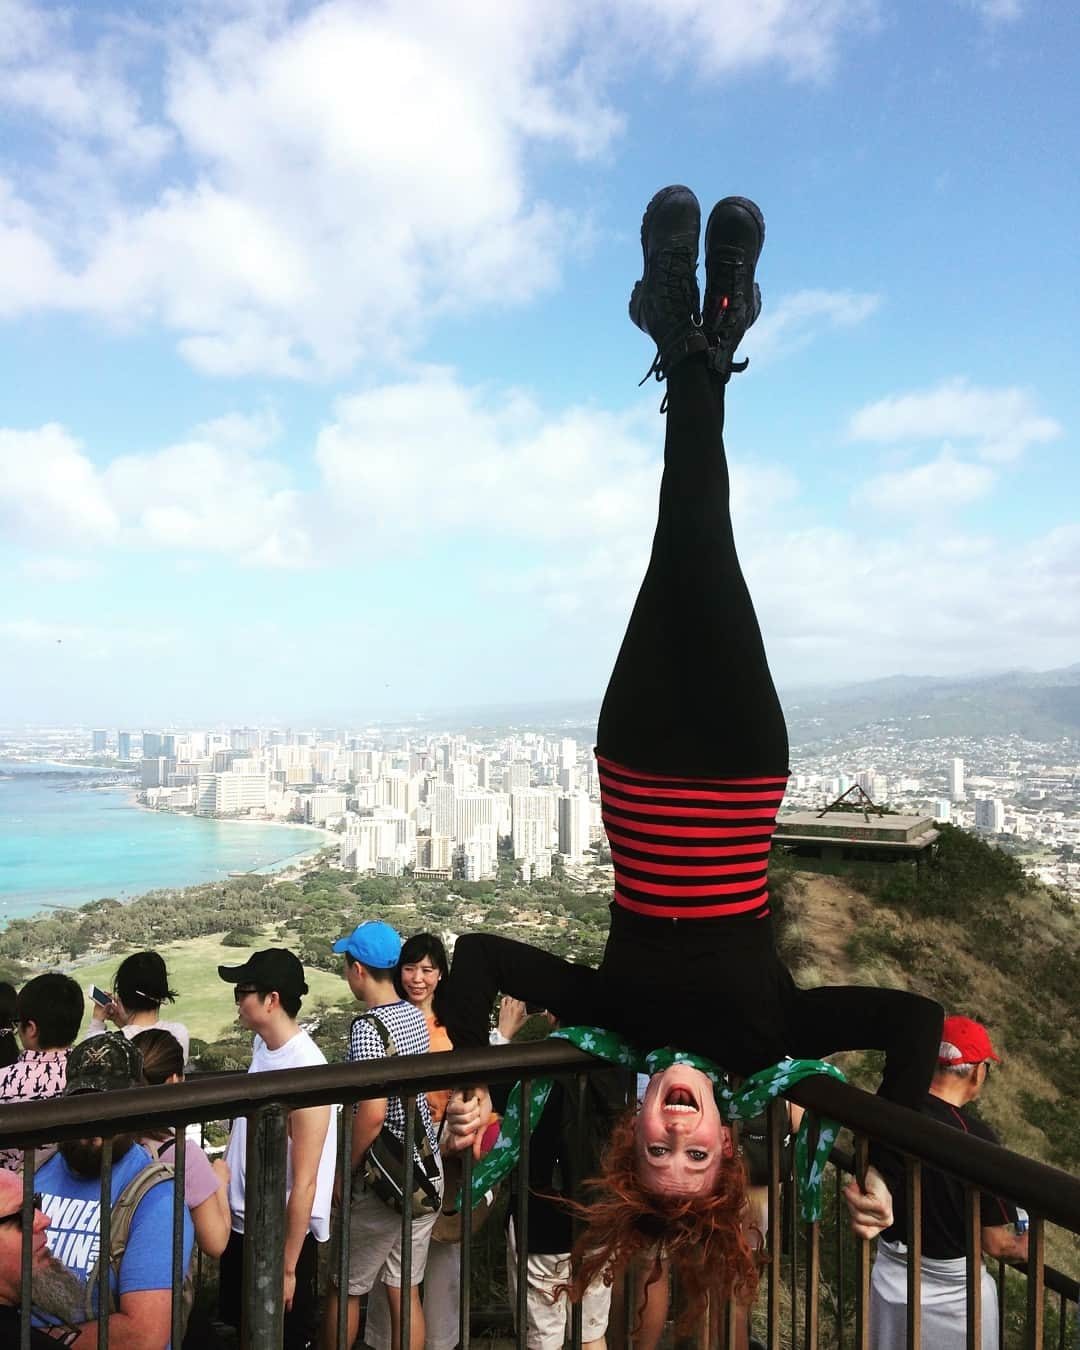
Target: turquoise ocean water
(64, 844)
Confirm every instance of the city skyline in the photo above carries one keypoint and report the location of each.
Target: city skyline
(314, 323)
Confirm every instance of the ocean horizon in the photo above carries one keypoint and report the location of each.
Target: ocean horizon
(64, 843)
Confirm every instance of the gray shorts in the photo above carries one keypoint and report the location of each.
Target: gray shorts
(375, 1243)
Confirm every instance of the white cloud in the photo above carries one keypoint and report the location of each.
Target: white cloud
(242, 431)
(433, 453)
(801, 35)
(341, 176)
(803, 316)
(940, 485)
(58, 568)
(49, 489)
(997, 11)
(213, 493)
(1000, 423)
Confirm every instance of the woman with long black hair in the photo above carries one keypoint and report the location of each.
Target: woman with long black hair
(693, 757)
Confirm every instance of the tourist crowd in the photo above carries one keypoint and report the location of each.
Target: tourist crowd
(396, 983)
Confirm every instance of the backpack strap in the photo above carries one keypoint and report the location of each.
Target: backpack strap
(422, 1142)
(381, 1030)
(123, 1212)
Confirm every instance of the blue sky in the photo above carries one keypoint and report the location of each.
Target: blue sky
(319, 392)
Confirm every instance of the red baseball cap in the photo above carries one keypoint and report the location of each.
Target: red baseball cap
(971, 1040)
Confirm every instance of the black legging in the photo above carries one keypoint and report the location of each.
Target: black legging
(691, 694)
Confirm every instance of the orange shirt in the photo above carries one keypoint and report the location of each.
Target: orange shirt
(438, 1040)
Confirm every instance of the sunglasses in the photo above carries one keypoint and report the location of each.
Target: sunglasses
(241, 992)
(16, 1216)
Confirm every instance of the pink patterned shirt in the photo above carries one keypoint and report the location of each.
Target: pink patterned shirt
(35, 1074)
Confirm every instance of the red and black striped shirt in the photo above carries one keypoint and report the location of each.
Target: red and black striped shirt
(694, 848)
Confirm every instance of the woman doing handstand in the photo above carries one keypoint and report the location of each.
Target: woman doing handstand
(693, 759)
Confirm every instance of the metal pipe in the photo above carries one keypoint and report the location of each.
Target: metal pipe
(777, 1121)
(264, 1227)
(1045, 1190)
(1036, 1303)
(104, 1307)
(913, 1182)
(862, 1256)
(179, 1213)
(581, 1084)
(29, 1214)
(839, 1236)
(813, 1254)
(465, 1319)
(344, 1172)
(973, 1265)
(405, 1292)
(521, 1223)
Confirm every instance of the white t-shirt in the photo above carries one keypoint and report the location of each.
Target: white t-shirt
(177, 1029)
(300, 1052)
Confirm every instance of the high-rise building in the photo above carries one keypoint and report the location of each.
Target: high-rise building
(989, 815)
(943, 809)
(230, 794)
(156, 770)
(123, 744)
(99, 739)
(441, 802)
(517, 776)
(532, 821)
(471, 810)
(320, 805)
(151, 744)
(955, 772)
(574, 817)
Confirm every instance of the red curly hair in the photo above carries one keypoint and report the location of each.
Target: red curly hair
(700, 1236)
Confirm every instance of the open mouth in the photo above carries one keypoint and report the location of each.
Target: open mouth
(680, 1099)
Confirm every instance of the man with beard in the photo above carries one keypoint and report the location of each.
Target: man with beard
(54, 1289)
(70, 1186)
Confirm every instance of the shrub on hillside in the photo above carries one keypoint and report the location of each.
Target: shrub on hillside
(239, 937)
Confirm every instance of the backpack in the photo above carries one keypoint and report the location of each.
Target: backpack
(383, 1167)
(123, 1212)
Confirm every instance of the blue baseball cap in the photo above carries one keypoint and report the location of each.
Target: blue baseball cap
(372, 944)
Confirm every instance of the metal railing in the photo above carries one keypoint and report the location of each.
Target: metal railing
(797, 1287)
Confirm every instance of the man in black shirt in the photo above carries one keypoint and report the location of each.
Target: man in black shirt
(963, 1069)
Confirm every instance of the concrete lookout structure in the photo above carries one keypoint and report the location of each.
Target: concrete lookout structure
(847, 841)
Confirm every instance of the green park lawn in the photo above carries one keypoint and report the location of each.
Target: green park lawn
(205, 1002)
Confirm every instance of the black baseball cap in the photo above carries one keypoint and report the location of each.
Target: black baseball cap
(101, 1063)
(274, 969)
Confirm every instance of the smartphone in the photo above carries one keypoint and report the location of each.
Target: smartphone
(100, 996)
(533, 1008)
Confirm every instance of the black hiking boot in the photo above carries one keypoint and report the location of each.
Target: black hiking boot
(665, 302)
(733, 240)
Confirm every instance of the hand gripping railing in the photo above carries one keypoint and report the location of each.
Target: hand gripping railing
(1050, 1195)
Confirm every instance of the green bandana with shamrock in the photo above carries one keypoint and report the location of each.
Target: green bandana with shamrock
(744, 1103)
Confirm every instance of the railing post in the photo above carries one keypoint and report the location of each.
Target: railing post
(777, 1118)
(263, 1312)
(913, 1180)
(521, 1223)
(27, 1262)
(344, 1221)
(409, 1145)
(813, 1255)
(465, 1317)
(179, 1213)
(862, 1256)
(104, 1244)
(1036, 1285)
(580, 1124)
(972, 1201)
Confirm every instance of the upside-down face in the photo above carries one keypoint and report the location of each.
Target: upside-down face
(681, 1140)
